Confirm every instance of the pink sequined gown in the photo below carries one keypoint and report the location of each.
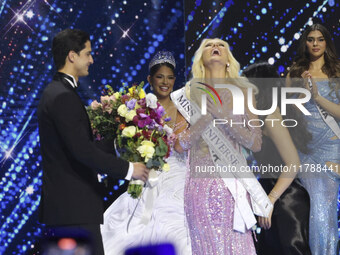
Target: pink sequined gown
(209, 206)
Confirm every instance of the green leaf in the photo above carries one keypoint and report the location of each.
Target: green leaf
(162, 148)
(149, 164)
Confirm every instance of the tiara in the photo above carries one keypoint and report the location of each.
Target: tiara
(163, 57)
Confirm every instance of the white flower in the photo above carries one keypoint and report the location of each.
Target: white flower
(122, 110)
(167, 129)
(146, 150)
(117, 95)
(129, 116)
(129, 131)
(151, 101)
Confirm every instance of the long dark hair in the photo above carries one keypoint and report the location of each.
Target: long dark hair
(264, 100)
(332, 63)
(302, 59)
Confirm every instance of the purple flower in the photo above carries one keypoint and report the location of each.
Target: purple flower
(160, 111)
(143, 115)
(167, 119)
(140, 110)
(131, 104)
(143, 122)
(142, 103)
(152, 125)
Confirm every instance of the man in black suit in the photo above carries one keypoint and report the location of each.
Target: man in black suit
(70, 200)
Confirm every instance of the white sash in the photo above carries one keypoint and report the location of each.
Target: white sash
(236, 182)
(327, 118)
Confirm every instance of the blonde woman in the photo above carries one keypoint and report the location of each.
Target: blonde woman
(216, 223)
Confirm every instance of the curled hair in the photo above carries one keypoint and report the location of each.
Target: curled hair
(254, 72)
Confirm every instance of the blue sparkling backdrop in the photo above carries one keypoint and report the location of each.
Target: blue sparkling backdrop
(124, 34)
(257, 30)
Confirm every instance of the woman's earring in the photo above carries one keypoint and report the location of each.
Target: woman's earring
(228, 67)
(151, 88)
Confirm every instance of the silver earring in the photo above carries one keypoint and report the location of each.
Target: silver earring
(228, 67)
(151, 88)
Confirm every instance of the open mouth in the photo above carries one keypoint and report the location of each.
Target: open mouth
(215, 52)
(164, 89)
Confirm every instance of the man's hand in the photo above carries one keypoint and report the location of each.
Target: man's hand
(140, 172)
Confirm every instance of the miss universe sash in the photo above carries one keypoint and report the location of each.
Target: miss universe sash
(327, 118)
(238, 183)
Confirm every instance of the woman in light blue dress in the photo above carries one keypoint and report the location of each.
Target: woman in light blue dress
(318, 65)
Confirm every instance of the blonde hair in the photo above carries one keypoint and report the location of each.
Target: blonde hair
(198, 69)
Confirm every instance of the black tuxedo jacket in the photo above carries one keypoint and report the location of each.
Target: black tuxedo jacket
(71, 160)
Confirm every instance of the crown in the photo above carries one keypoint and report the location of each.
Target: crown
(163, 57)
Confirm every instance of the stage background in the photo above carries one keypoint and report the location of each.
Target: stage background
(257, 30)
(125, 34)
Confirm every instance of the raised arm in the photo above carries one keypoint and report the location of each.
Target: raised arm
(332, 108)
(249, 136)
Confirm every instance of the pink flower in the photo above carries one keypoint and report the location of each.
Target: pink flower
(95, 105)
(107, 103)
(104, 99)
(113, 98)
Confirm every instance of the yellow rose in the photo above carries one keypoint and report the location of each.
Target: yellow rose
(166, 167)
(129, 131)
(122, 110)
(129, 116)
(141, 94)
(148, 143)
(146, 150)
(117, 95)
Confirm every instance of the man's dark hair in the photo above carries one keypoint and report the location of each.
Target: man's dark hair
(66, 41)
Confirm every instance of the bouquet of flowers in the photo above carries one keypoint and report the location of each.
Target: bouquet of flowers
(135, 121)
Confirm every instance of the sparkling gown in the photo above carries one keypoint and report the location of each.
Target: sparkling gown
(209, 206)
(323, 186)
(165, 223)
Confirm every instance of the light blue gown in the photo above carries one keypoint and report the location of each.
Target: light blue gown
(322, 186)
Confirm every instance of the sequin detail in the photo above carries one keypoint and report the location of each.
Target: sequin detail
(322, 187)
